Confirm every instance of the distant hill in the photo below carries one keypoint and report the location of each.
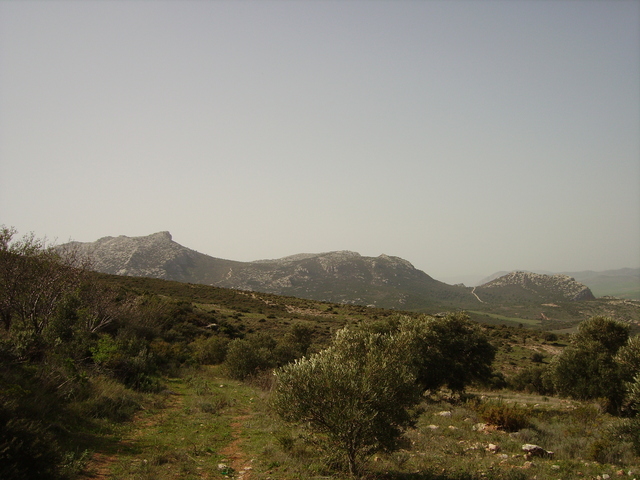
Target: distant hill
(623, 283)
(340, 277)
(528, 286)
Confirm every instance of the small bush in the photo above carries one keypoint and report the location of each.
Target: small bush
(533, 379)
(537, 357)
(211, 404)
(505, 416)
(630, 431)
(285, 440)
(210, 351)
(127, 359)
(603, 451)
(247, 357)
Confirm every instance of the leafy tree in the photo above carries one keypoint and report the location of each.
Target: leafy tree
(628, 357)
(355, 396)
(587, 368)
(450, 351)
(608, 333)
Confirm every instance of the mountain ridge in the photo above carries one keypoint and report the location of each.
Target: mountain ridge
(342, 276)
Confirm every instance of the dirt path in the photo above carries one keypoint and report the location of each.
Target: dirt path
(100, 465)
(233, 453)
(183, 435)
(473, 292)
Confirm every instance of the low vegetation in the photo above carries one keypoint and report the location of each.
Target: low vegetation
(131, 378)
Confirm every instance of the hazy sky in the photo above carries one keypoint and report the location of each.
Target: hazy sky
(464, 136)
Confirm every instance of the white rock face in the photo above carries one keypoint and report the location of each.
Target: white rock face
(147, 256)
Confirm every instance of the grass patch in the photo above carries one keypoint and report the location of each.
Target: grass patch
(516, 320)
(186, 438)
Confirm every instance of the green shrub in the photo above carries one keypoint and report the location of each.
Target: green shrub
(537, 357)
(210, 351)
(127, 359)
(27, 449)
(244, 360)
(533, 379)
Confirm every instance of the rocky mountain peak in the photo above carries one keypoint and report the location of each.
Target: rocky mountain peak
(396, 261)
(166, 236)
(147, 256)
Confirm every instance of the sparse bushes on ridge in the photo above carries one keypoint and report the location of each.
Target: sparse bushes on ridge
(86, 363)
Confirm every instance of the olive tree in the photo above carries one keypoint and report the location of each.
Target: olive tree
(449, 351)
(355, 396)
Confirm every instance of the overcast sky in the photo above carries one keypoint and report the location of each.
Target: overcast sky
(467, 137)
